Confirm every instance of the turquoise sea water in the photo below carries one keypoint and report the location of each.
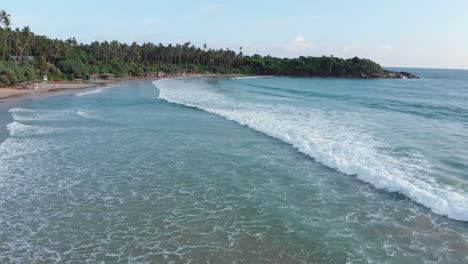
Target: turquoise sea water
(239, 170)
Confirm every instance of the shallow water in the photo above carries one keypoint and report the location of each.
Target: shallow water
(325, 171)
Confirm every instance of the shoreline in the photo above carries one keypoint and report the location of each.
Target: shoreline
(14, 94)
(41, 88)
(19, 92)
(22, 90)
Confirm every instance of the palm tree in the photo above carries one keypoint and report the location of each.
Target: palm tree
(5, 19)
(179, 53)
(27, 34)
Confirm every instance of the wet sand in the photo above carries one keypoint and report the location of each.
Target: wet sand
(46, 87)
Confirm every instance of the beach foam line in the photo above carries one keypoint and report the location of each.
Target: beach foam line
(25, 114)
(251, 77)
(95, 91)
(333, 139)
(21, 110)
(17, 129)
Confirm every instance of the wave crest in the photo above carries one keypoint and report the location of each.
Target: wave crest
(333, 139)
(17, 129)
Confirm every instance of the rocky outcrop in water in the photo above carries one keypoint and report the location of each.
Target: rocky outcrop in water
(386, 74)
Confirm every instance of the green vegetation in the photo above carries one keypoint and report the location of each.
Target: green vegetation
(25, 56)
(311, 66)
(11, 73)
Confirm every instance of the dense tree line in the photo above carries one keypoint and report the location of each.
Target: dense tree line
(25, 56)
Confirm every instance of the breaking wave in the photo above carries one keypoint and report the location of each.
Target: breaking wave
(17, 129)
(25, 114)
(335, 139)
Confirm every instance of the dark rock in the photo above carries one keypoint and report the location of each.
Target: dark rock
(396, 75)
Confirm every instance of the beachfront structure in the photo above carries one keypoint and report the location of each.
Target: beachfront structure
(92, 77)
(107, 76)
(97, 76)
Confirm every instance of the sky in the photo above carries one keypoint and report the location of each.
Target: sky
(396, 33)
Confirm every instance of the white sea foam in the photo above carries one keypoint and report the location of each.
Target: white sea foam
(251, 77)
(21, 110)
(15, 147)
(21, 130)
(334, 139)
(25, 114)
(96, 91)
(86, 114)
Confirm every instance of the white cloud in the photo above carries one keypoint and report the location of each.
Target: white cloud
(299, 44)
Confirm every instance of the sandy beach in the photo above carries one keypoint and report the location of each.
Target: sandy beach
(45, 87)
(32, 88)
(11, 92)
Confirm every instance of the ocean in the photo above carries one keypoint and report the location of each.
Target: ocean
(239, 170)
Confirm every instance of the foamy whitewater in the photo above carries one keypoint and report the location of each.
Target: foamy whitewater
(91, 92)
(342, 139)
(239, 170)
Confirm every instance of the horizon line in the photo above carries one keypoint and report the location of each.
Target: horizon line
(419, 67)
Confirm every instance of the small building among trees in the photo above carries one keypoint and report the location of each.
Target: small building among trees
(102, 76)
(107, 76)
(92, 77)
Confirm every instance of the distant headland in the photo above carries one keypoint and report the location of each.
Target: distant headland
(27, 57)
